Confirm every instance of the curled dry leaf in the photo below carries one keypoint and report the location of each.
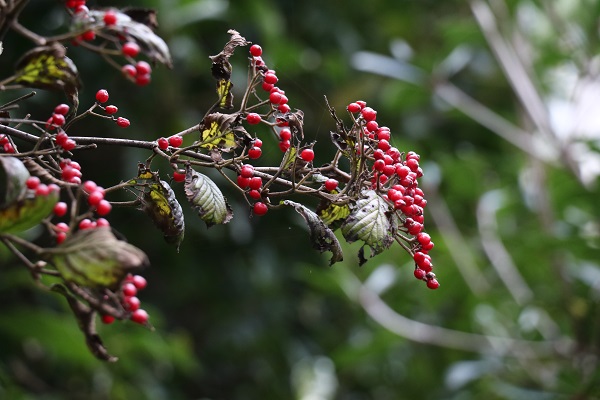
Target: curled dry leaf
(321, 237)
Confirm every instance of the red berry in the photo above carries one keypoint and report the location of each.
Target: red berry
(123, 122)
(254, 194)
(260, 208)
(362, 104)
(143, 68)
(243, 182)
(130, 49)
(266, 87)
(253, 118)
(139, 317)
(368, 114)
(255, 50)
(143, 80)
(354, 107)
(69, 145)
(372, 126)
(129, 70)
(179, 175)
(62, 227)
(285, 134)
(307, 155)
(163, 143)
(8, 148)
(129, 289)
(423, 238)
(132, 303)
(255, 183)
(95, 197)
(100, 222)
(104, 207)
(284, 107)
(110, 110)
(382, 134)
(378, 165)
(331, 184)
(275, 98)
(88, 35)
(257, 142)
(86, 224)
(107, 319)
(247, 171)
(175, 140)
(61, 138)
(61, 109)
(90, 186)
(60, 209)
(60, 237)
(384, 145)
(139, 281)
(284, 145)
(433, 284)
(110, 18)
(419, 273)
(102, 96)
(254, 152)
(42, 190)
(270, 78)
(32, 182)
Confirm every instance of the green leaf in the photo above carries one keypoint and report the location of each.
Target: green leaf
(48, 67)
(96, 258)
(370, 221)
(160, 203)
(322, 238)
(206, 198)
(20, 211)
(26, 213)
(13, 175)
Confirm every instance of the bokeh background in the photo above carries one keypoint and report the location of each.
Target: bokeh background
(499, 97)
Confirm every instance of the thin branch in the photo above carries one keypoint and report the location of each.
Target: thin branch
(523, 140)
(456, 243)
(453, 339)
(497, 253)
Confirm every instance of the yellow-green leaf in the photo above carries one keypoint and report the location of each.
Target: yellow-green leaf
(217, 131)
(48, 67)
(160, 204)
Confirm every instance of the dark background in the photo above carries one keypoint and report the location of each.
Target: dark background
(249, 311)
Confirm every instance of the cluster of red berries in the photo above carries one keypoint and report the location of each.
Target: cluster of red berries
(253, 185)
(140, 72)
(130, 287)
(71, 172)
(277, 98)
(102, 97)
(7, 146)
(395, 175)
(55, 122)
(173, 141)
(38, 188)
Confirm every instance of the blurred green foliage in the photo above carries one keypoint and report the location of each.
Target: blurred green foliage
(248, 310)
